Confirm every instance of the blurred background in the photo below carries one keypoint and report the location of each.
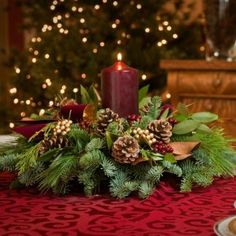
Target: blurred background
(48, 48)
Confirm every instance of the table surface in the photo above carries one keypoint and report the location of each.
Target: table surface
(166, 212)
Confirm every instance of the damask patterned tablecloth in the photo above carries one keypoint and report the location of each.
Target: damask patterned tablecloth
(166, 212)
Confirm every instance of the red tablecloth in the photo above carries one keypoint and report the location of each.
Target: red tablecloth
(166, 213)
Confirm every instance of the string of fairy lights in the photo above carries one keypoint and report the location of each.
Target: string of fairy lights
(58, 23)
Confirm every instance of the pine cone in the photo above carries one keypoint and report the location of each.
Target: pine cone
(105, 117)
(53, 142)
(161, 130)
(125, 149)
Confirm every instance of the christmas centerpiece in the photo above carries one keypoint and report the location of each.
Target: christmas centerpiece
(85, 146)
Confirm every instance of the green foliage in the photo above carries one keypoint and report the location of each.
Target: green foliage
(95, 143)
(203, 128)
(8, 162)
(109, 167)
(172, 168)
(204, 117)
(188, 123)
(28, 159)
(109, 140)
(30, 176)
(88, 161)
(91, 159)
(90, 165)
(142, 93)
(144, 102)
(145, 189)
(185, 126)
(79, 138)
(121, 186)
(87, 178)
(154, 174)
(183, 110)
(194, 173)
(170, 158)
(117, 128)
(88, 96)
(143, 123)
(147, 154)
(58, 174)
(214, 146)
(154, 107)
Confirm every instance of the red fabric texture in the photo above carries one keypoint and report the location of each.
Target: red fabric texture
(166, 212)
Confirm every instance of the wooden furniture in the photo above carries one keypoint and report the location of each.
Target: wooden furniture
(207, 86)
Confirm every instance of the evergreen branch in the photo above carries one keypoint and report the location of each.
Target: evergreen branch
(15, 147)
(215, 148)
(109, 167)
(91, 159)
(186, 184)
(95, 143)
(88, 179)
(117, 128)
(62, 169)
(154, 174)
(194, 173)
(28, 159)
(172, 168)
(117, 185)
(79, 138)
(30, 176)
(145, 189)
(143, 123)
(8, 162)
(154, 108)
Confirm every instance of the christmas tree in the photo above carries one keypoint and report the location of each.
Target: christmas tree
(74, 39)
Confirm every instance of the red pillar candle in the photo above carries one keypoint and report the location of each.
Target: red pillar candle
(119, 85)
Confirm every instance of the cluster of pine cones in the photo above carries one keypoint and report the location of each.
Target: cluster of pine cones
(58, 138)
(126, 149)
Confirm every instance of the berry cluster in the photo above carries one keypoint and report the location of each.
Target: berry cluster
(84, 125)
(172, 121)
(144, 134)
(162, 147)
(133, 117)
(62, 127)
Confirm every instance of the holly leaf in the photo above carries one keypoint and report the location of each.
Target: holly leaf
(204, 117)
(185, 127)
